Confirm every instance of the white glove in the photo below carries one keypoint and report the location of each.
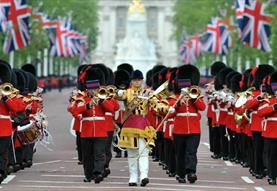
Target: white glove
(171, 109)
(120, 93)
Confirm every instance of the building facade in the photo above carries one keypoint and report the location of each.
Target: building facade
(112, 28)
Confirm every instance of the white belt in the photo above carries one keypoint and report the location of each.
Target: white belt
(254, 112)
(5, 117)
(263, 106)
(223, 109)
(187, 114)
(93, 118)
(230, 113)
(271, 119)
(109, 114)
(170, 119)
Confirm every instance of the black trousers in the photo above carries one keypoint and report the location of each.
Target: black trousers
(238, 150)
(170, 155)
(79, 146)
(231, 144)
(12, 150)
(211, 134)
(93, 156)
(216, 140)
(28, 152)
(4, 150)
(272, 157)
(108, 149)
(186, 153)
(258, 145)
(159, 147)
(223, 141)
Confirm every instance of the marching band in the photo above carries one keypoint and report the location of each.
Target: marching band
(161, 119)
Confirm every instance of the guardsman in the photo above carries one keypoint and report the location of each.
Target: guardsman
(186, 132)
(93, 131)
(252, 105)
(137, 134)
(268, 112)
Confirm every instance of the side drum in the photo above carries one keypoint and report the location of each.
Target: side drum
(28, 134)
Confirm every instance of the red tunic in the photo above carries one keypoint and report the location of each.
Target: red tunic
(109, 116)
(187, 120)
(169, 123)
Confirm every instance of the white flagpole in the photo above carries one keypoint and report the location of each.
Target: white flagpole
(11, 59)
(51, 71)
(39, 63)
(45, 62)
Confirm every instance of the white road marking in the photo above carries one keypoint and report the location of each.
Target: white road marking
(228, 163)
(48, 162)
(92, 187)
(8, 179)
(154, 184)
(206, 144)
(126, 177)
(247, 180)
(75, 158)
(259, 189)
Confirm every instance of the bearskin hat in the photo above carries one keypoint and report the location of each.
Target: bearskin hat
(5, 72)
(164, 75)
(221, 76)
(235, 83)
(81, 68)
(32, 85)
(246, 78)
(157, 69)
(95, 73)
(111, 77)
(122, 79)
(29, 68)
(229, 77)
(127, 67)
(104, 70)
(14, 79)
(216, 67)
(21, 80)
(260, 72)
(149, 78)
(189, 72)
(172, 79)
(155, 81)
(272, 83)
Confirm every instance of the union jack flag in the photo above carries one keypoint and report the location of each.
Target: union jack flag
(17, 35)
(4, 10)
(256, 29)
(190, 49)
(240, 6)
(217, 38)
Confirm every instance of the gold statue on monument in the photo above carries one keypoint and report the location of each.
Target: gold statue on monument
(136, 7)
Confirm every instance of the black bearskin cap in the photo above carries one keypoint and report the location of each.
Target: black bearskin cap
(216, 67)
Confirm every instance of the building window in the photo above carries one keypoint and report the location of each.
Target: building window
(121, 15)
(152, 22)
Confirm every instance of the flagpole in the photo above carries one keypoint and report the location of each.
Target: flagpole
(45, 62)
(29, 59)
(11, 59)
(39, 63)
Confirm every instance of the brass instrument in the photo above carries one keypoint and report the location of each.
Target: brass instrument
(7, 89)
(102, 93)
(111, 89)
(238, 118)
(243, 97)
(193, 92)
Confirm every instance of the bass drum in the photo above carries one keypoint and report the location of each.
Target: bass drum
(28, 134)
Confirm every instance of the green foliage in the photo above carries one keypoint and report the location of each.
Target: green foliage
(192, 17)
(84, 19)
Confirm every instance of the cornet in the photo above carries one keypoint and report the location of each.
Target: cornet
(112, 90)
(193, 92)
(7, 89)
(102, 93)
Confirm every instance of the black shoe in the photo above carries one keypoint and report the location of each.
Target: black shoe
(225, 158)
(2, 177)
(23, 165)
(177, 177)
(171, 174)
(29, 164)
(98, 179)
(144, 182)
(165, 167)
(125, 154)
(192, 178)
(167, 172)
(10, 169)
(237, 161)
(182, 180)
(106, 172)
(216, 156)
(232, 159)
(259, 176)
(155, 160)
(80, 163)
(132, 184)
(16, 167)
(272, 181)
(245, 165)
(87, 180)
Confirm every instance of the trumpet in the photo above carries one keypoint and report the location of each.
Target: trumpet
(102, 93)
(193, 92)
(112, 90)
(7, 89)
